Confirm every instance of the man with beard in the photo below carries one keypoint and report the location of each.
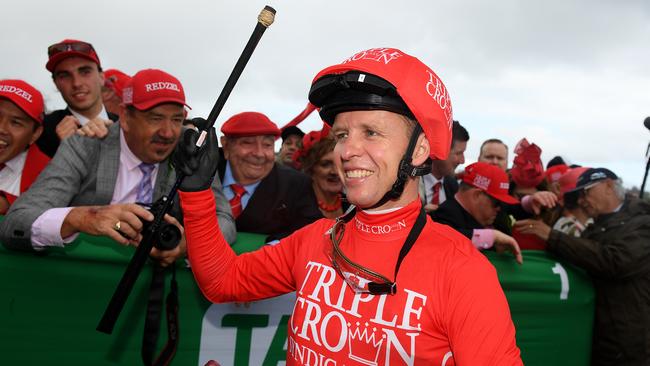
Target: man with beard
(614, 250)
(265, 197)
(99, 186)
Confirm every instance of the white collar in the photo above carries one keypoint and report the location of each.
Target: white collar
(17, 163)
(83, 119)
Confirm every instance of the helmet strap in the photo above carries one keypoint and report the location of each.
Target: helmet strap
(406, 170)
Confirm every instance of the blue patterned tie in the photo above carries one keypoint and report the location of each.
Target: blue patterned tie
(145, 188)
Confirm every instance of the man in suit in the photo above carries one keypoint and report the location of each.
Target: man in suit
(441, 183)
(77, 74)
(92, 185)
(21, 118)
(265, 197)
(472, 210)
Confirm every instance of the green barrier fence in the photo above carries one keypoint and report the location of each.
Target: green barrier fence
(51, 303)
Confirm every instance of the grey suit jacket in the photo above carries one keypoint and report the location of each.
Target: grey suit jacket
(83, 173)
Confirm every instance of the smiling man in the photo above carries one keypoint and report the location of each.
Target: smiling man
(265, 197)
(98, 186)
(77, 74)
(383, 284)
(21, 118)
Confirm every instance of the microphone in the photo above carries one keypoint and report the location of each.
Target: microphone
(646, 123)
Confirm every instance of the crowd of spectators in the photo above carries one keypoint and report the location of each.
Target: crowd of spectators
(108, 154)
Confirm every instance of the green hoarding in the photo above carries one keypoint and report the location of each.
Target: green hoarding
(51, 303)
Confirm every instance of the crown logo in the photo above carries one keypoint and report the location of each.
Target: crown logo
(363, 346)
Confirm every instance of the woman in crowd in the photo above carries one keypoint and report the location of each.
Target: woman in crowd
(316, 159)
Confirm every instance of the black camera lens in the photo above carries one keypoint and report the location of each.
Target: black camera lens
(168, 237)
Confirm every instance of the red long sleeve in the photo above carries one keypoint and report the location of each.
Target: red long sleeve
(449, 308)
(221, 274)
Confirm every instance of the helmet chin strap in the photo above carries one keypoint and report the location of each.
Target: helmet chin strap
(406, 170)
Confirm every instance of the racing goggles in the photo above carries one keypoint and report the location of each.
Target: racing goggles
(361, 280)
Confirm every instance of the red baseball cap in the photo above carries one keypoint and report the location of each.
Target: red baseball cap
(70, 48)
(417, 85)
(569, 180)
(116, 80)
(554, 173)
(25, 96)
(151, 87)
(250, 124)
(490, 179)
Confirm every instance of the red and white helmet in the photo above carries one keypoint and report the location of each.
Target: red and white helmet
(387, 79)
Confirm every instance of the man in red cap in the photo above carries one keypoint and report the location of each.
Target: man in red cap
(21, 118)
(574, 219)
(472, 211)
(265, 197)
(77, 74)
(114, 83)
(99, 186)
(383, 284)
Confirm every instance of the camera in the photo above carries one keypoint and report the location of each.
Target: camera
(168, 235)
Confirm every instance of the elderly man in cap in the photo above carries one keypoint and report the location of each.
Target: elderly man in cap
(291, 142)
(615, 251)
(265, 197)
(472, 211)
(99, 186)
(21, 118)
(77, 74)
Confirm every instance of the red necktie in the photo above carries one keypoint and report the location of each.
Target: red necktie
(235, 201)
(435, 199)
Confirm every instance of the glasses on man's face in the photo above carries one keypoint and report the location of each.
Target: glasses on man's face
(82, 47)
(585, 192)
(359, 278)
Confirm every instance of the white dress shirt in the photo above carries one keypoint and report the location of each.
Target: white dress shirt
(429, 182)
(46, 229)
(11, 175)
(83, 119)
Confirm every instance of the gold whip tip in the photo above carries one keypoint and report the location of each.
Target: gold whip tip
(266, 17)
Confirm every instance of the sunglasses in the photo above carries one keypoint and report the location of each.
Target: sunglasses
(81, 47)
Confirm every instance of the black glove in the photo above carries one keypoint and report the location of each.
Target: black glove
(198, 165)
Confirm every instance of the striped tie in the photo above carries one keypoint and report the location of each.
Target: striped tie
(145, 188)
(235, 201)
